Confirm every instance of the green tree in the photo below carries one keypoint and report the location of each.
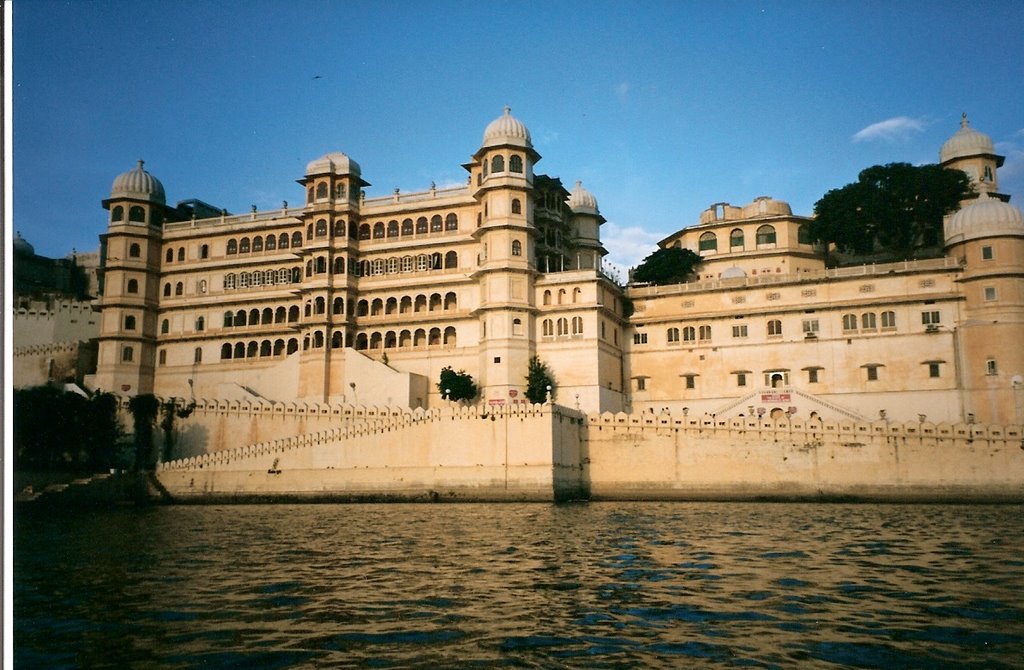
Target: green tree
(670, 265)
(539, 380)
(896, 209)
(57, 430)
(456, 385)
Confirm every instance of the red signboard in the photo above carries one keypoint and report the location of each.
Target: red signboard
(775, 397)
(496, 401)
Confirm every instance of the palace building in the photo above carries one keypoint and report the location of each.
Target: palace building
(349, 299)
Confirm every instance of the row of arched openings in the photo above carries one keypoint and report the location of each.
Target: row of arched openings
(764, 236)
(407, 339)
(254, 349)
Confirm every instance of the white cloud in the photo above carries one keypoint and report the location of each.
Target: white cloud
(622, 91)
(894, 129)
(627, 246)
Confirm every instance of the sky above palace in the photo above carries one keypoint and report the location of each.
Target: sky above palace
(660, 108)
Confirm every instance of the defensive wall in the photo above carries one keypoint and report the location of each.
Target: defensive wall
(549, 452)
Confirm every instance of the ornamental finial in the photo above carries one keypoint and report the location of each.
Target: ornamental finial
(963, 120)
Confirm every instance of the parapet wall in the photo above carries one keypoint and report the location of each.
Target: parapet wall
(547, 452)
(523, 453)
(665, 457)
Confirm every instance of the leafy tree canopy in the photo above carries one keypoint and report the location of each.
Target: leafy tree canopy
(538, 380)
(667, 266)
(895, 209)
(456, 385)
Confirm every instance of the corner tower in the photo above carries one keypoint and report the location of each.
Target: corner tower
(973, 153)
(129, 285)
(501, 177)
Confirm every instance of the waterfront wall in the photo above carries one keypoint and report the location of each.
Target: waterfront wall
(649, 456)
(523, 452)
(545, 452)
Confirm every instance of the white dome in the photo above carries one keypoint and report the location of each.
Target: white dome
(506, 129)
(985, 217)
(138, 183)
(733, 273)
(333, 163)
(582, 201)
(966, 142)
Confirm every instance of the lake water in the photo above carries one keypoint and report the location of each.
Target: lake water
(600, 585)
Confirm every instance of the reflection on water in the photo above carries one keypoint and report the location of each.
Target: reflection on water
(584, 585)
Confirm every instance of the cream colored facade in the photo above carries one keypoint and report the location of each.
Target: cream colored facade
(364, 300)
(347, 299)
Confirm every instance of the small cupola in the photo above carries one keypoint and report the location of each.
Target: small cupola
(139, 185)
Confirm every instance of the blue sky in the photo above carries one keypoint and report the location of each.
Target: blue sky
(661, 108)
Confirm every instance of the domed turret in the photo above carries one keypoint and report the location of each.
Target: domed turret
(984, 217)
(966, 142)
(138, 184)
(21, 246)
(582, 201)
(334, 162)
(506, 129)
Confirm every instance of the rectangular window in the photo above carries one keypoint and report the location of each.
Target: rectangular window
(639, 338)
(872, 373)
(812, 376)
(990, 367)
(741, 379)
(810, 326)
(990, 293)
(931, 318)
(739, 331)
(641, 383)
(691, 381)
(986, 253)
(933, 370)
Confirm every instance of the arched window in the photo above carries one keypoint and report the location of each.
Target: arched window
(867, 321)
(309, 268)
(362, 342)
(169, 256)
(243, 245)
(434, 338)
(321, 190)
(803, 234)
(339, 228)
(339, 265)
(774, 328)
(133, 286)
(296, 275)
(296, 239)
(765, 235)
(451, 301)
(378, 230)
(421, 225)
(450, 338)
(497, 164)
(225, 351)
(689, 334)
(271, 243)
(517, 248)
(309, 232)
(136, 213)
(165, 327)
(278, 347)
(405, 339)
(293, 314)
(421, 303)
(179, 288)
(200, 324)
(363, 308)
(181, 254)
(129, 322)
(338, 306)
(705, 333)
(672, 335)
(319, 306)
(736, 239)
(547, 327)
(577, 294)
(888, 319)
(229, 281)
(337, 341)
(309, 194)
(250, 351)
(240, 317)
(517, 207)
(321, 265)
(232, 246)
(254, 317)
(117, 214)
(435, 223)
(364, 231)
(167, 290)
(515, 163)
(127, 355)
(577, 325)
(392, 228)
(134, 251)
(257, 244)
(451, 260)
(197, 355)
(451, 222)
(849, 322)
(282, 241)
(293, 345)
(265, 348)
(517, 326)
(267, 316)
(407, 227)
(321, 228)
(708, 242)
(563, 326)
(229, 319)
(239, 350)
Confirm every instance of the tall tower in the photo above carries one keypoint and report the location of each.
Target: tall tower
(502, 178)
(331, 219)
(987, 235)
(130, 271)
